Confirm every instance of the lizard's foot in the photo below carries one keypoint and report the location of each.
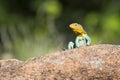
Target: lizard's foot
(70, 45)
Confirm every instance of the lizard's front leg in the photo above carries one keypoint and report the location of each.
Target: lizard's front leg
(88, 39)
(70, 45)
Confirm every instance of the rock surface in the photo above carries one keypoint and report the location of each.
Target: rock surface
(97, 62)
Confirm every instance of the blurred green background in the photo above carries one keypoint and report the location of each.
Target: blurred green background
(31, 28)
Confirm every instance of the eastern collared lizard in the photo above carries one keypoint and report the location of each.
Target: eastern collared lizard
(82, 38)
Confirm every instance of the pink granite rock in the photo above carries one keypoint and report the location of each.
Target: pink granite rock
(97, 62)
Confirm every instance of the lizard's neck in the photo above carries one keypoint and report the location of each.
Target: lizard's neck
(81, 34)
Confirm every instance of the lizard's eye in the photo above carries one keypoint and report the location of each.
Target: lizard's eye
(76, 24)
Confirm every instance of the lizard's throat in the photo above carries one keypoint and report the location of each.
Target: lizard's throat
(80, 33)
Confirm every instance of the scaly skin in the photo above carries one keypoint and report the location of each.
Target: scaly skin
(82, 38)
(80, 41)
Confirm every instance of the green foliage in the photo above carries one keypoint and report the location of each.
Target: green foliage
(92, 19)
(52, 7)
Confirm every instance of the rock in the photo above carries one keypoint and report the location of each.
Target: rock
(97, 62)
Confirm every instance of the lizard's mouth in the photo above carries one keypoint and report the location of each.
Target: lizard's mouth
(71, 27)
(77, 32)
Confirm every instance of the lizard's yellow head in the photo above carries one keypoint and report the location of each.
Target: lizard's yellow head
(77, 28)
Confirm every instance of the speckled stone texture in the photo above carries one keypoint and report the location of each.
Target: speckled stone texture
(97, 62)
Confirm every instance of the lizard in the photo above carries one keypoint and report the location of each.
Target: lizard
(82, 38)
